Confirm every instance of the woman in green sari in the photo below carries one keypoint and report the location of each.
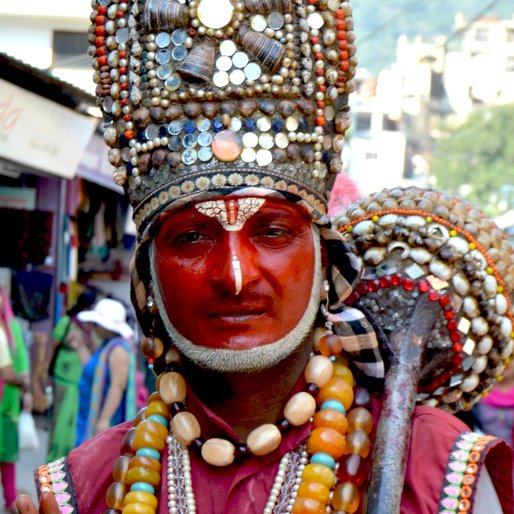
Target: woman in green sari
(14, 378)
(72, 349)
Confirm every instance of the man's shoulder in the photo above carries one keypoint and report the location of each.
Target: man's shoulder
(447, 423)
(98, 454)
(91, 464)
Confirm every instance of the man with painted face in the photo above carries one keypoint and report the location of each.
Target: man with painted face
(226, 121)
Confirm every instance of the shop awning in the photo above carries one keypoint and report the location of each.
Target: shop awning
(94, 164)
(40, 133)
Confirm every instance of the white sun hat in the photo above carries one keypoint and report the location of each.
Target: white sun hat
(109, 314)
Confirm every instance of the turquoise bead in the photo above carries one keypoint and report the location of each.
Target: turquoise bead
(325, 459)
(334, 405)
(159, 419)
(148, 452)
(142, 486)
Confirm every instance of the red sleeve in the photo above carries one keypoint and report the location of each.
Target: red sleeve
(434, 433)
(91, 466)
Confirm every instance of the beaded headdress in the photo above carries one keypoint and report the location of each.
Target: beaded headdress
(210, 95)
(416, 241)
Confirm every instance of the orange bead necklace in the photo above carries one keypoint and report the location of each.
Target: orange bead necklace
(338, 445)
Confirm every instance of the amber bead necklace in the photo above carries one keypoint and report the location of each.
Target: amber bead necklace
(338, 446)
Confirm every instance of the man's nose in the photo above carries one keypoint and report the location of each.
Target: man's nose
(239, 266)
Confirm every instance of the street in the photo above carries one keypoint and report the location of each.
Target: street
(31, 459)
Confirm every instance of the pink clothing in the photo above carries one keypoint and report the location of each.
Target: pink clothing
(503, 398)
(244, 488)
(8, 471)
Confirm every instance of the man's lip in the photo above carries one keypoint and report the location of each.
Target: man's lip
(236, 314)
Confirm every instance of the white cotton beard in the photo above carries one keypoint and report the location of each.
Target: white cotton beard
(253, 359)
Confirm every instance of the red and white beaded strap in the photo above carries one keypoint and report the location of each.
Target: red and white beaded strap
(55, 478)
(462, 471)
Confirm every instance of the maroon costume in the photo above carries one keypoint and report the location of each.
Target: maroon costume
(244, 488)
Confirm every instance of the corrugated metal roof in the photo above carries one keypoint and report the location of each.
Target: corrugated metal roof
(44, 84)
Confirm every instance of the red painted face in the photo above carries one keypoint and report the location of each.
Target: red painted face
(194, 259)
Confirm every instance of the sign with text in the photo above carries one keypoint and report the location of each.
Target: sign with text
(94, 164)
(18, 198)
(40, 133)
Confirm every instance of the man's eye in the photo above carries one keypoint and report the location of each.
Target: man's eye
(270, 233)
(190, 237)
(275, 232)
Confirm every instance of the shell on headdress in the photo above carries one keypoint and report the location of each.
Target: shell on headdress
(269, 52)
(165, 15)
(267, 6)
(199, 64)
(375, 255)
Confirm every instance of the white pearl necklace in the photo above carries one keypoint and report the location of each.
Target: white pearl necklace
(181, 499)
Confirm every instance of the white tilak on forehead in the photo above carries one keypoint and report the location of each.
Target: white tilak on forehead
(232, 214)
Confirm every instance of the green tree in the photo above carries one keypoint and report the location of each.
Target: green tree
(378, 24)
(476, 159)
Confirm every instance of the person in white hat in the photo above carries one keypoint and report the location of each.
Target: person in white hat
(107, 385)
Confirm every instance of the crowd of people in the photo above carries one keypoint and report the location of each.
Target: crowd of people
(89, 364)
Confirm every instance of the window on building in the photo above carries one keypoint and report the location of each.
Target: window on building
(510, 35)
(482, 34)
(371, 155)
(510, 64)
(363, 121)
(70, 50)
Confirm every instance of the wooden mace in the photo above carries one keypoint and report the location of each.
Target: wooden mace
(392, 440)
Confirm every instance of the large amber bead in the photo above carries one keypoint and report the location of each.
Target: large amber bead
(146, 462)
(140, 416)
(218, 452)
(336, 389)
(120, 468)
(172, 387)
(314, 490)
(307, 506)
(358, 442)
(332, 419)
(151, 347)
(317, 334)
(138, 508)
(128, 441)
(300, 408)
(346, 497)
(360, 418)
(172, 355)
(154, 427)
(326, 440)
(354, 469)
(330, 344)
(141, 497)
(318, 473)
(186, 428)
(362, 397)
(158, 407)
(318, 370)
(344, 372)
(154, 397)
(150, 434)
(145, 439)
(264, 439)
(140, 474)
(115, 495)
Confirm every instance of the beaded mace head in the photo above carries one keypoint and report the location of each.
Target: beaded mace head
(210, 95)
(416, 241)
